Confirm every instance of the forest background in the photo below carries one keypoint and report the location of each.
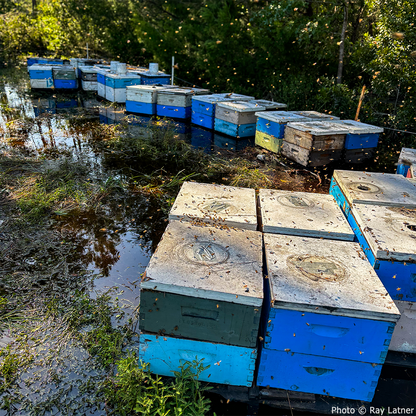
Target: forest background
(285, 50)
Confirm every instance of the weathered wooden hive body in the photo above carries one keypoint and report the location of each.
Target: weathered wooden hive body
(328, 321)
(313, 143)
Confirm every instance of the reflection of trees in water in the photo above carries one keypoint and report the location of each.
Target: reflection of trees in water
(98, 235)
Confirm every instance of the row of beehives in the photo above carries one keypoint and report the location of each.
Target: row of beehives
(320, 321)
(315, 139)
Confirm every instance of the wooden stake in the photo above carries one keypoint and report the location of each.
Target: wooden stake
(359, 103)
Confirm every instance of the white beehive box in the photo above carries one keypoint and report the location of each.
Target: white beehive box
(375, 188)
(225, 205)
(238, 112)
(316, 116)
(178, 97)
(281, 117)
(303, 214)
(145, 93)
(327, 277)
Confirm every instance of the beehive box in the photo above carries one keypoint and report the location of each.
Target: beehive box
(387, 236)
(65, 72)
(404, 335)
(303, 214)
(268, 142)
(327, 314)
(101, 73)
(269, 105)
(89, 85)
(316, 116)
(238, 112)
(316, 135)
(274, 122)
(234, 130)
(407, 158)
(371, 188)
(225, 205)
(204, 283)
(41, 83)
(67, 84)
(142, 99)
(360, 135)
(228, 364)
(306, 157)
(152, 79)
(358, 155)
(88, 73)
(116, 86)
(37, 71)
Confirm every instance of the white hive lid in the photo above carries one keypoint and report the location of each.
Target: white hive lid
(216, 203)
(88, 69)
(303, 214)
(389, 231)
(234, 96)
(241, 106)
(356, 127)
(185, 91)
(407, 155)
(210, 99)
(269, 105)
(147, 88)
(281, 117)
(376, 188)
(325, 276)
(208, 262)
(315, 115)
(319, 128)
(42, 67)
(129, 75)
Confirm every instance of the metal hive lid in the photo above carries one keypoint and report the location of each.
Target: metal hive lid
(356, 127)
(319, 128)
(407, 155)
(124, 76)
(324, 276)
(281, 117)
(208, 262)
(315, 115)
(269, 105)
(241, 106)
(376, 188)
(389, 231)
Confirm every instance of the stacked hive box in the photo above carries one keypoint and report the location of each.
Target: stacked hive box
(313, 143)
(203, 107)
(177, 102)
(328, 319)
(270, 128)
(149, 78)
(41, 76)
(142, 99)
(45, 61)
(116, 86)
(101, 73)
(202, 293)
(406, 165)
(65, 77)
(361, 140)
(88, 78)
(381, 210)
(237, 119)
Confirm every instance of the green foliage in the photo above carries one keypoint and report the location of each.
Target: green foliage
(135, 390)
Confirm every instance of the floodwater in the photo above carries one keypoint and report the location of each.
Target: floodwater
(113, 245)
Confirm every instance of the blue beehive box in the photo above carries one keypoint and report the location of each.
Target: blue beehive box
(101, 73)
(68, 84)
(228, 364)
(360, 135)
(387, 236)
(177, 102)
(371, 188)
(142, 99)
(407, 158)
(159, 78)
(38, 71)
(328, 320)
(116, 86)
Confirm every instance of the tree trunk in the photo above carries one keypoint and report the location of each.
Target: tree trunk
(342, 45)
(34, 6)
